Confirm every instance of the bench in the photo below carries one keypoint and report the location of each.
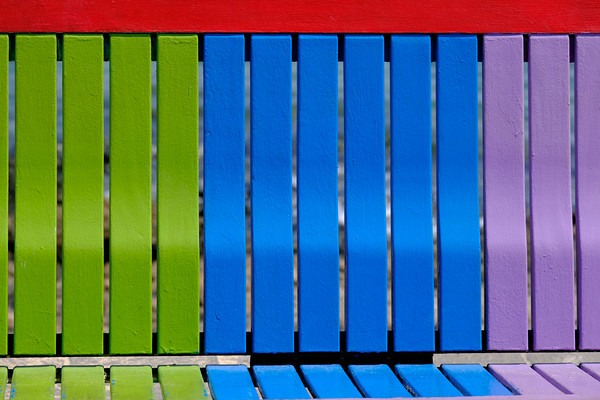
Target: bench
(411, 317)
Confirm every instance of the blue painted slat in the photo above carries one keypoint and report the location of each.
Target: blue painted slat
(474, 380)
(329, 381)
(271, 169)
(318, 241)
(230, 382)
(364, 177)
(279, 382)
(377, 381)
(426, 381)
(457, 193)
(224, 195)
(412, 226)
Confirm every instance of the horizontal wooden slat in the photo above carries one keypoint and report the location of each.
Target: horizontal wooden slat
(469, 16)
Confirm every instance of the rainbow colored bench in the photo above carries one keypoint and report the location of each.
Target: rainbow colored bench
(319, 347)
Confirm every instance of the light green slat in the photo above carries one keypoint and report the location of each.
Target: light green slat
(177, 194)
(3, 193)
(82, 383)
(182, 383)
(35, 194)
(131, 383)
(3, 378)
(130, 195)
(83, 178)
(33, 383)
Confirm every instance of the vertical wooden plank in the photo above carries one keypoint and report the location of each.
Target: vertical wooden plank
(33, 383)
(83, 194)
(271, 169)
(587, 190)
(459, 249)
(127, 383)
(224, 195)
(82, 383)
(3, 194)
(364, 184)
(182, 382)
(553, 313)
(35, 194)
(412, 213)
(318, 241)
(178, 321)
(130, 195)
(504, 192)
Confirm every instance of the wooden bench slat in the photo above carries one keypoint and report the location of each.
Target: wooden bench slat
(271, 193)
(131, 383)
(182, 383)
(522, 379)
(224, 195)
(587, 190)
(457, 166)
(504, 192)
(4, 173)
(553, 312)
(474, 380)
(569, 378)
(329, 381)
(83, 195)
(33, 383)
(317, 164)
(411, 194)
(591, 368)
(279, 382)
(82, 383)
(230, 382)
(177, 177)
(426, 381)
(3, 379)
(364, 194)
(35, 194)
(377, 381)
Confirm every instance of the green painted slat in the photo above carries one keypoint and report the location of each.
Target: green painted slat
(131, 383)
(182, 383)
(82, 383)
(33, 383)
(83, 191)
(35, 194)
(3, 378)
(177, 194)
(130, 195)
(3, 193)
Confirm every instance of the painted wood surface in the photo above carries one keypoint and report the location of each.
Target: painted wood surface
(318, 239)
(425, 381)
(83, 195)
(271, 194)
(3, 379)
(377, 381)
(328, 381)
(130, 195)
(569, 378)
(127, 383)
(553, 312)
(587, 190)
(33, 383)
(504, 193)
(182, 382)
(177, 174)
(474, 380)
(469, 16)
(457, 166)
(224, 195)
(523, 379)
(411, 194)
(279, 382)
(35, 194)
(82, 383)
(4, 170)
(364, 196)
(230, 382)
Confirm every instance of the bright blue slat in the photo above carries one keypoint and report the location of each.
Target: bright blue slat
(426, 381)
(377, 381)
(474, 380)
(230, 382)
(364, 176)
(271, 169)
(329, 381)
(457, 191)
(279, 382)
(412, 226)
(318, 241)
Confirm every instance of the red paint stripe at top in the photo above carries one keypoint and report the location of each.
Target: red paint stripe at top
(302, 16)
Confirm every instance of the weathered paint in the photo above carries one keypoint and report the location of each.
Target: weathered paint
(33, 383)
(182, 382)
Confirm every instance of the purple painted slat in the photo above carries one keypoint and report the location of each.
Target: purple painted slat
(553, 312)
(569, 378)
(591, 368)
(504, 192)
(522, 379)
(587, 189)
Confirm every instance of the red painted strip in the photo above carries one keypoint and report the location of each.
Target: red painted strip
(383, 16)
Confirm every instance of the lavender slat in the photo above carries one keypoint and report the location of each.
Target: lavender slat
(553, 310)
(592, 368)
(569, 378)
(522, 379)
(587, 189)
(504, 192)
